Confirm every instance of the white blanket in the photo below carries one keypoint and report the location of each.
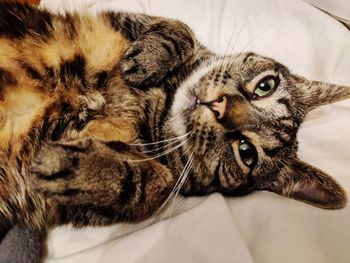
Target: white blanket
(262, 227)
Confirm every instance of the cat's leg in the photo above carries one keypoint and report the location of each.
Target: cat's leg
(18, 202)
(89, 182)
(161, 49)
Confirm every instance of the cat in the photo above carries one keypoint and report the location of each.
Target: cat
(132, 110)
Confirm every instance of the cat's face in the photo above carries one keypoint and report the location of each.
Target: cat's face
(242, 114)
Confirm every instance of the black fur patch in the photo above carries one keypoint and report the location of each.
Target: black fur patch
(69, 26)
(63, 214)
(216, 184)
(6, 78)
(121, 22)
(114, 20)
(31, 141)
(50, 73)
(128, 185)
(75, 162)
(19, 20)
(217, 77)
(226, 75)
(71, 192)
(280, 138)
(167, 48)
(144, 177)
(285, 102)
(165, 112)
(233, 135)
(118, 146)
(64, 174)
(173, 41)
(45, 127)
(189, 40)
(128, 28)
(133, 53)
(31, 71)
(61, 125)
(74, 68)
(102, 79)
(271, 152)
(250, 54)
(242, 189)
(50, 78)
(145, 126)
(132, 70)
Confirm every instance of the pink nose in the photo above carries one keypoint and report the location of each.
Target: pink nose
(218, 106)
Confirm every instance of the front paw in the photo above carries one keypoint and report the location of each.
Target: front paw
(145, 63)
(157, 53)
(56, 157)
(49, 161)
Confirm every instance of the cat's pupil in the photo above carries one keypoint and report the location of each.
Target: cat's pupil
(264, 86)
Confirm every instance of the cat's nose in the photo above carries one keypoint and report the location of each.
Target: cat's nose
(217, 106)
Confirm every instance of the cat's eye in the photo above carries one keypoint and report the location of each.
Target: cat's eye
(247, 153)
(265, 86)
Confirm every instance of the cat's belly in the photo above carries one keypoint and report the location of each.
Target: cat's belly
(119, 119)
(111, 130)
(20, 107)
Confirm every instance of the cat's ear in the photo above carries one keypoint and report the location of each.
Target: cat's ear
(302, 181)
(317, 93)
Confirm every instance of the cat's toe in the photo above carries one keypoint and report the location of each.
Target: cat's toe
(143, 64)
(50, 160)
(134, 72)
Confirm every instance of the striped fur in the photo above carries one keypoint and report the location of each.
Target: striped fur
(61, 78)
(111, 91)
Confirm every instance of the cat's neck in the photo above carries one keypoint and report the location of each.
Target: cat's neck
(156, 125)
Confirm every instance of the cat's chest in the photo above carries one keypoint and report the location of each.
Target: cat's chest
(129, 114)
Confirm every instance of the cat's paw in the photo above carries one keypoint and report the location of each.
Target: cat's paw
(154, 55)
(57, 157)
(145, 63)
(49, 161)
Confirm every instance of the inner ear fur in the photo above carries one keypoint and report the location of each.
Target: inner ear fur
(306, 183)
(318, 93)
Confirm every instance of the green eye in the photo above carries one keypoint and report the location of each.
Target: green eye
(265, 86)
(247, 153)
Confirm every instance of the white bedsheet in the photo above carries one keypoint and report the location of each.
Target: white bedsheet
(262, 227)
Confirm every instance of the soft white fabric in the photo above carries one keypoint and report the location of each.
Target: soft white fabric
(340, 8)
(262, 227)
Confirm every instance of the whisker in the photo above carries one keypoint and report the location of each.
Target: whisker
(160, 154)
(240, 31)
(182, 182)
(179, 182)
(161, 147)
(162, 141)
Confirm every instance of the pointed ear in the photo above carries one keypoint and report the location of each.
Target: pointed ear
(317, 93)
(303, 182)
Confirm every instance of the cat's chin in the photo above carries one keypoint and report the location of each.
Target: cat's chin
(179, 109)
(184, 103)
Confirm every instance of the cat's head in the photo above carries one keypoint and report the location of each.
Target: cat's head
(242, 114)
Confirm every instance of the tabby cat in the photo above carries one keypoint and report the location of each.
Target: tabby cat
(134, 109)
